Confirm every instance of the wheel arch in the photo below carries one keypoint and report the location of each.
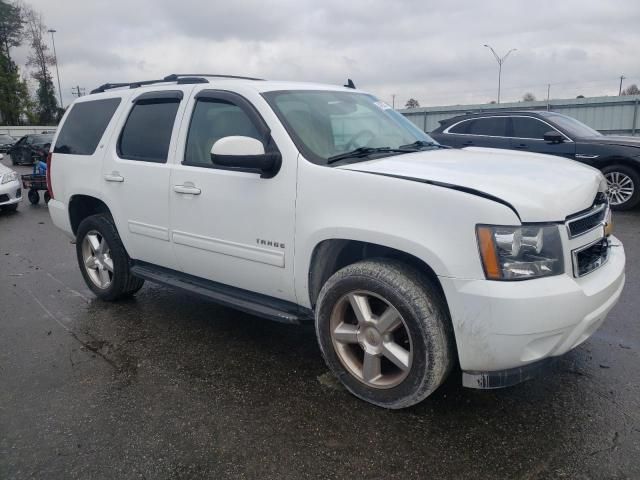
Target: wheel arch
(618, 160)
(331, 255)
(83, 206)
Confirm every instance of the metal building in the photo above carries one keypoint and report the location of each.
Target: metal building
(609, 115)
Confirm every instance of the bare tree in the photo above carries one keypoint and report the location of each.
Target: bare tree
(528, 97)
(412, 103)
(40, 60)
(631, 90)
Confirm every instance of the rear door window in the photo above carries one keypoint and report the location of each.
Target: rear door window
(490, 126)
(147, 133)
(84, 126)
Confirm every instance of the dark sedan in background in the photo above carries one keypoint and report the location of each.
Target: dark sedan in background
(30, 147)
(555, 134)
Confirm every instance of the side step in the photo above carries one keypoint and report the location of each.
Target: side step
(244, 300)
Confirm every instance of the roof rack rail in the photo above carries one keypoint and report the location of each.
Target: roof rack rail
(175, 76)
(179, 78)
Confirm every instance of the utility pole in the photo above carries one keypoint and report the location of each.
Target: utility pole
(393, 101)
(77, 91)
(55, 57)
(548, 92)
(622, 77)
(500, 61)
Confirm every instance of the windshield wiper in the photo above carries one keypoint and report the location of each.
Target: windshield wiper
(422, 143)
(364, 152)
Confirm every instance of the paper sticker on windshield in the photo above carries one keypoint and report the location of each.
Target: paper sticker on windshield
(382, 105)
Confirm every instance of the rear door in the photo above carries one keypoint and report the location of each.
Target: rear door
(528, 135)
(491, 132)
(136, 172)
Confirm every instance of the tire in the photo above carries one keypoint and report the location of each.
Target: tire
(34, 197)
(425, 332)
(47, 197)
(109, 255)
(624, 186)
(9, 208)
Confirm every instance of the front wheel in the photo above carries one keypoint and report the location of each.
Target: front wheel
(103, 260)
(384, 331)
(623, 186)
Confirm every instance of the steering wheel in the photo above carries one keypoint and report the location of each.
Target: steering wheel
(354, 143)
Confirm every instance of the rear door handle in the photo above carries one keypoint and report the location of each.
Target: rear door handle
(187, 189)
(522, 146)
(114, 177)
(467, 143)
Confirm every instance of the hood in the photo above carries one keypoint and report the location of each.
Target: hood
(541, 188)
(620, 140)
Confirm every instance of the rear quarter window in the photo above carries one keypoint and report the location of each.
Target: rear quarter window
(84, 126)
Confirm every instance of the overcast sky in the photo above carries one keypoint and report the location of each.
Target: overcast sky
(432, 51)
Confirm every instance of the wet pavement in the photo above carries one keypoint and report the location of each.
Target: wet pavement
(170, 386)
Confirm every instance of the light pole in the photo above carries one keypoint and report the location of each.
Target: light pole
(622, 77)
(55, 57)
(500, 61)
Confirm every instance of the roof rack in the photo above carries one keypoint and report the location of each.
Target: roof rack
(179, 78)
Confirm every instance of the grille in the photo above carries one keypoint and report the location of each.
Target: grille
(4, 198)
(587, 221)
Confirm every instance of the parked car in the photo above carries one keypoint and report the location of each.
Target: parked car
(6, 142)
(314, 203)
(618, 157)
(30, 148)
(10, 189)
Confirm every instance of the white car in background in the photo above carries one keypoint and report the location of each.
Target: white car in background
(10, 189)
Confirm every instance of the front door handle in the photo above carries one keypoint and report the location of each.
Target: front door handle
(114, 177)
(522, 146)
(187, 189)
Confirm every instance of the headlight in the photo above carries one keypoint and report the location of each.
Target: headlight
(9, 177)
(519, 253)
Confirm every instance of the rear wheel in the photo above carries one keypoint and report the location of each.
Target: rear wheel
(47, 196)
(34, 197)
(623, 186)
(103, 260)
(384, 331)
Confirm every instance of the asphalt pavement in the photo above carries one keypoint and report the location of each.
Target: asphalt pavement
(168, 386)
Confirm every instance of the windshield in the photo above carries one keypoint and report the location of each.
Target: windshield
(574, 127)
(324, 124)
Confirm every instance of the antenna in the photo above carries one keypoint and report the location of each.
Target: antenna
(350, 84)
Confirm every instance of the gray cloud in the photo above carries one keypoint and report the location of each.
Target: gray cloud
(428, 50)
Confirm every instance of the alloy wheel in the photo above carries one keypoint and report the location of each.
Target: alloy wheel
(371, 339)
(620, 187)
(98, 263)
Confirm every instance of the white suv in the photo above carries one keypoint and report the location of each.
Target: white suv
(304, 202)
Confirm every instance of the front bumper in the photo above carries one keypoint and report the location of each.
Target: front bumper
(508, 325)
(10, 193)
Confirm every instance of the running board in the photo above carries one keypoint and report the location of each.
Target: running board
(244, 300)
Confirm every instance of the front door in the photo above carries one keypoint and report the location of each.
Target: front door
(230, 226)
(528, 135)
(136, 173)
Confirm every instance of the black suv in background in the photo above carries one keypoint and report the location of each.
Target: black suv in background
(30, 147)
(554, 134)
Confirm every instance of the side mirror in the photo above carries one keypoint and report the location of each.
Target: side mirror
(553, 137)
(245, 153)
